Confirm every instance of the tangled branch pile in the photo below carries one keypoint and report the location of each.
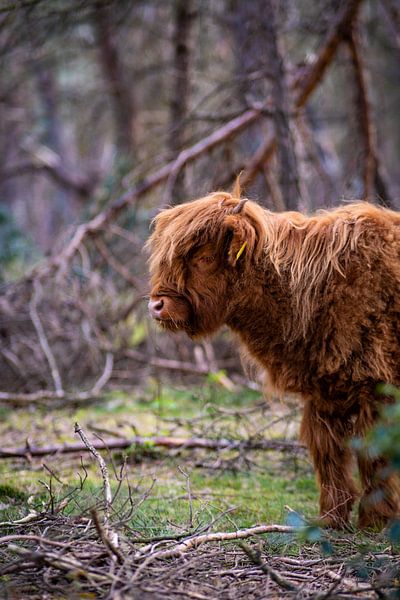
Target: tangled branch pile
(58, 327)
(82, 563)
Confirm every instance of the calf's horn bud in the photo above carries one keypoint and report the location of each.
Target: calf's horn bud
(239, 207)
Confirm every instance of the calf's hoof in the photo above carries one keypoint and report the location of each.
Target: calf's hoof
(376, 511)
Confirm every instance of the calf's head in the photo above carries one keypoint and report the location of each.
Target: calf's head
(201, 253)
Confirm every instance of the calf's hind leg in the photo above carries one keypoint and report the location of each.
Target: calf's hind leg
(380, 501)
(326, 439)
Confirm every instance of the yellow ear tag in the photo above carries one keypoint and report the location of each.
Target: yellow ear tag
(240, 252)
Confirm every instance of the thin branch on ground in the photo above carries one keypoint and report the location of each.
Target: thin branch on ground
(161, 441)
(105, 538)
(63, 563)
(189, 493)
(255, 557)
(103, 469)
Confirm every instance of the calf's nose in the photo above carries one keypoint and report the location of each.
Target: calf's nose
(155, 307)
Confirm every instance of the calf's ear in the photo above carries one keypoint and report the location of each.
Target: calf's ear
(242, 237)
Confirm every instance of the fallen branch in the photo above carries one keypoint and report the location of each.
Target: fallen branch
(104, 535)
(68, 564)
(148, 442)
(218, 536)
(167, 363)
(46, 397)
(177, 365)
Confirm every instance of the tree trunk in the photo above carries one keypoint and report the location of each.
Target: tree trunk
(250, 66)
(287, 162)
(373, 176)
(120, 92)
(262, 73)
(61, 213)
(183, 20)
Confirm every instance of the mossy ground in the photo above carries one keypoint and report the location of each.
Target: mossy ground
(163, 492)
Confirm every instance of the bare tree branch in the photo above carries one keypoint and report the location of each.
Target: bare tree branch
(303, 85)
(36, 294)
(308, 81)
(47, 161)
(103, 469)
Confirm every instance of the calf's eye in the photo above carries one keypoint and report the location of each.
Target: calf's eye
(207, 259)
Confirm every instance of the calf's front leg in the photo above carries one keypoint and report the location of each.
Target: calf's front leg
(327, 441)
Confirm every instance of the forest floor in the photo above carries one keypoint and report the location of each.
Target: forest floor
(60, 539)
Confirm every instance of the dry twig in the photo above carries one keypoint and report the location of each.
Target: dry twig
(255, 557)
(103, 469)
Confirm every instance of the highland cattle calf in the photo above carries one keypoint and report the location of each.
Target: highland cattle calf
(316, 303)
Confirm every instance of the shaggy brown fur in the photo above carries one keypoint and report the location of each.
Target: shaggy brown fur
(316, 302)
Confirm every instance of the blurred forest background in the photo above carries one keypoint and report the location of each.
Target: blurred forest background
(111, 110)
